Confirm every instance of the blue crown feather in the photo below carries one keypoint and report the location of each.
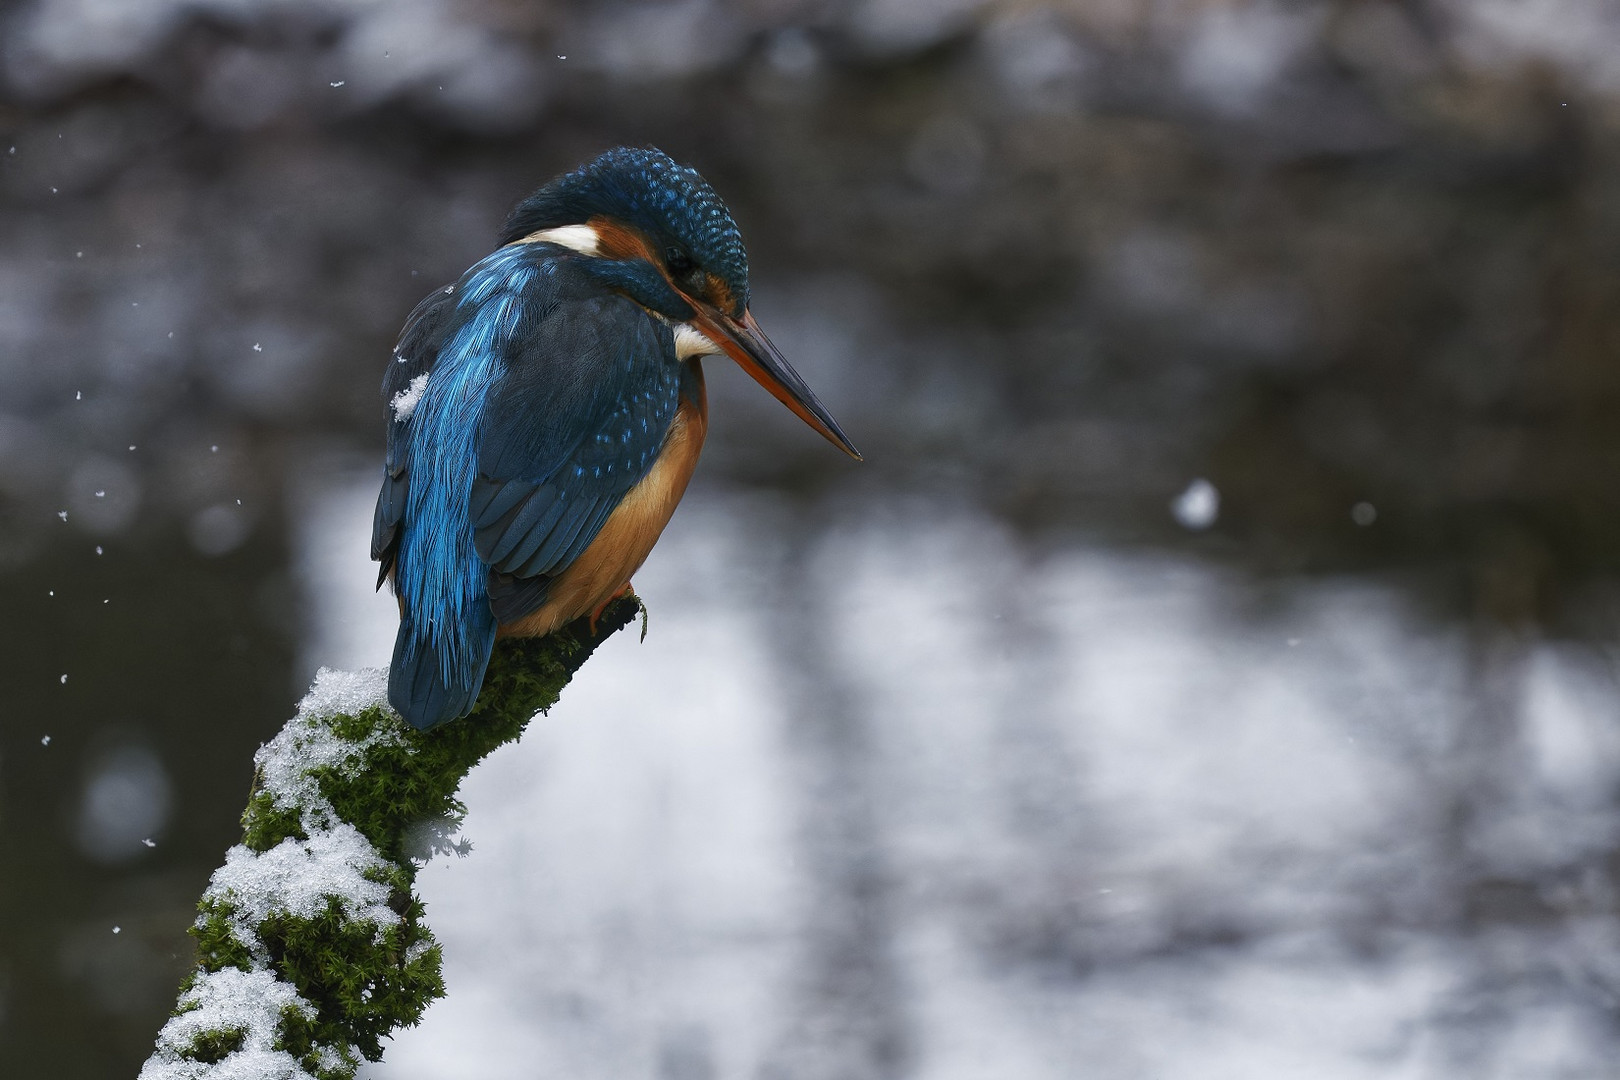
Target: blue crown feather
(646, 188)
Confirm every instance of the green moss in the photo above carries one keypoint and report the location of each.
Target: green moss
(362, 979)
(214, 1046)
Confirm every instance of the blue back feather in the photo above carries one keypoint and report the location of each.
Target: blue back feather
(547, 400)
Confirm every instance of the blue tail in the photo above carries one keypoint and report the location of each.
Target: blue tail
(428, 692)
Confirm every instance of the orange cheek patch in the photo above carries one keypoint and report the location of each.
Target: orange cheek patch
(720, 294)
(622, 242)
(616, 241)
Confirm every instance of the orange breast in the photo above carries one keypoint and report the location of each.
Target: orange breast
(630, 531)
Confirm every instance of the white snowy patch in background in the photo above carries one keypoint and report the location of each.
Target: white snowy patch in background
(1198, 506)
(644, 42)
(349, 623)
(405, 402)
(1118, 832)
(301, 878)
(640, 855)
(888, 26)
(450, 58)
(126, 799)
(1573, 37)
(250, 1002)
(219, 529)
(1236, 53)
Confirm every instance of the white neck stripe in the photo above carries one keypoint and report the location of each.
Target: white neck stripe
(581, 238)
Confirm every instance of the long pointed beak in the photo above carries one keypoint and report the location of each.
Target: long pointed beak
(746, 343)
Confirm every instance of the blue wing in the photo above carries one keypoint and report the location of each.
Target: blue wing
(545, 401)
(579, 420)
(414, 355)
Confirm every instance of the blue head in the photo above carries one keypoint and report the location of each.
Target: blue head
(683, 225)
(657, 232)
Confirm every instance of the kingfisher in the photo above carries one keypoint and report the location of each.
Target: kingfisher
(547, 411)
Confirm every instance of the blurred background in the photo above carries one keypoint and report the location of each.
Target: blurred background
(1211, 673)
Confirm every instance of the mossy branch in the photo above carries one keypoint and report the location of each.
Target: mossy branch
(311, 945)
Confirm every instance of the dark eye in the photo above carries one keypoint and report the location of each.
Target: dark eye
(680, 263)
(686, 273)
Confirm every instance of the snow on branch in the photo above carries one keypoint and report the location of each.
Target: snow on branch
(311, 945)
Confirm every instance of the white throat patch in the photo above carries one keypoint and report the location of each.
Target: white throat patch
(690, 342)
(580, 238)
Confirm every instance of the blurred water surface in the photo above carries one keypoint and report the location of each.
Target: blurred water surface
(1210, 673)
(1070, 822)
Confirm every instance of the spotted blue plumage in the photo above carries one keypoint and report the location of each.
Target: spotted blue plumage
(547, 399)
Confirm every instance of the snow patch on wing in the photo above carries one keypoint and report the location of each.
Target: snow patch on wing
(405, 402)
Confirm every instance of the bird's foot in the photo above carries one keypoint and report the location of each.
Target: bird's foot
(624, 591)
